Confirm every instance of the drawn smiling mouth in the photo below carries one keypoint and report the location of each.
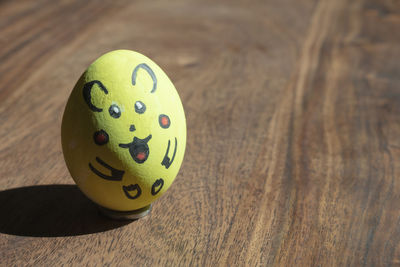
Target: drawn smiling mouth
(138, 149)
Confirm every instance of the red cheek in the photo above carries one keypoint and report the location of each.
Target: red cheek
(164, 121)
(100, 137)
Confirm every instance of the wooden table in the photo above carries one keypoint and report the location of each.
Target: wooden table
(293, 116)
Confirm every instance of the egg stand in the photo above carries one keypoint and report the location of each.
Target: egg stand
(126, 215)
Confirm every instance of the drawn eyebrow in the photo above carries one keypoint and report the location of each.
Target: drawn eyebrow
(87, 89)
(116, 175)
(149, 71)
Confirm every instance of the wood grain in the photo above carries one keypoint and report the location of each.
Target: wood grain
(293, 154)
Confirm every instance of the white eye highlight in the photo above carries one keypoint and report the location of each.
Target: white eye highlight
(140, 107)
(114, 111)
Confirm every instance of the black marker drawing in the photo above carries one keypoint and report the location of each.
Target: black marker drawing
(138, 149)
(166, 160)
(131, 188)
(87, 89)
(149, 71)
(156, 187)
(116, 175)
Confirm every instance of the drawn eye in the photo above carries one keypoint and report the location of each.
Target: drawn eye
(164, 121)
(140, 107)
(114, 111)
(100, 137)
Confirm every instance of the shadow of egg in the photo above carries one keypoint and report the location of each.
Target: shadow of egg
(50, 211)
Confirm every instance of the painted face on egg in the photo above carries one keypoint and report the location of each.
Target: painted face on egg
(124, 131)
